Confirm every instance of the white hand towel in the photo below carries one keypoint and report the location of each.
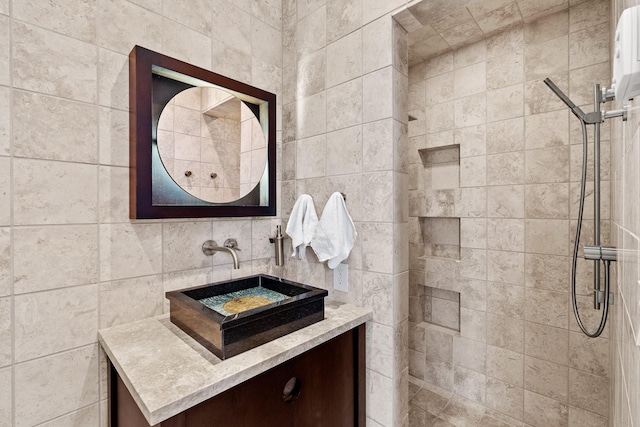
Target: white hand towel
(302, 225)
(335, 234)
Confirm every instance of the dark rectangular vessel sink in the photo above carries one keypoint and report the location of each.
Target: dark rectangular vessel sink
(221, 317)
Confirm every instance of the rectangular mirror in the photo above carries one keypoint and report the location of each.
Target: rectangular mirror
(201, 144)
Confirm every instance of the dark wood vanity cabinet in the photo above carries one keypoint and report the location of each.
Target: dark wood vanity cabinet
(323, 387)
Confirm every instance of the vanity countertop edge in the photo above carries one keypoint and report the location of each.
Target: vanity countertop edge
(168, 372)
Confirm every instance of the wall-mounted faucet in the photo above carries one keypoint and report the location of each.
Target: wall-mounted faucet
(210, 247)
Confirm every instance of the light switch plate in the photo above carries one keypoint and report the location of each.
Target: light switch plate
(341, 278)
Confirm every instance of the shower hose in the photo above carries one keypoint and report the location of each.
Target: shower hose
(576, 247)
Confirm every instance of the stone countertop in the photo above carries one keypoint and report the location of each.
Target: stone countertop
(167, 372)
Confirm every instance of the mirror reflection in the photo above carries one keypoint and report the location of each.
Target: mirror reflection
(211, 144)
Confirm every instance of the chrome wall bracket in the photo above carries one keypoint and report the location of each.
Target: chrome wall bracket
(597, 253)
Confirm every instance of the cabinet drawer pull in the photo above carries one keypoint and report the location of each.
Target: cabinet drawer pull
(291, 390)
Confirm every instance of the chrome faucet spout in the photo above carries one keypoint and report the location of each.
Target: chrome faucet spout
(210, 247)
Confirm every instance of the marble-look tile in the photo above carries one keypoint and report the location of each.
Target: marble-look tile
(470, 80)
(381, 356)
(311, 115)
(50, 63)
(309, 150)
(377, 196)
(311, 74)
(266, 43)
(505, 365)
(505, 103)
(6, 399)
(5, 193)
(439, 373)
(376, 247)
(505, 201)
(547, 272)
(311, 32)
(130, 250)
(6, 276)
(231, 25)
(589, 392)
(546, 28)
(581, 417)
(70, 133)
(473, 171)
(547, 201)
(505, 398)
(88, 416)
(129, 24)
(505, 70)
(460, 411)
(374, 9)
(547, 343)
(54, 192)
(469, 384)
(377, 95)
(506, 234)
(53, 321)
(265, 76)
(546, 58)
(189, 13)
(506, 267)
(114, 137)
(6, 331)
(129, 300)
(54, 257)
(186, 44)
(469, 354)
(440, 117)
(590, 355)
(546, 378)
(344, 151)
(429, 401)
(261, 231)
(471, 111)
(43, 387)
(474, 324)
(113, 199)
(232, 62)
(5, 52)
(543, 411)
(377, 294)
(343, 17)
(505, 300)
(377, 152)
(345, 105)
(473, 233)
(505, 332)
(547, 130)
(537, 232)
(588, 47)
(378, 403)
(113, 86)
(505, 136)
(539, 99)
(343, 59)
(547, 307)
(506, 168)
(182, 245)
(75, 19)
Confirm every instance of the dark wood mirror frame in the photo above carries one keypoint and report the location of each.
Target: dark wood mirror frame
(147, 175)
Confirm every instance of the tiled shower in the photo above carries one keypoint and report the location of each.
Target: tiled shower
(493, 182)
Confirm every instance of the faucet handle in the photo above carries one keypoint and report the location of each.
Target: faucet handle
(232, 244)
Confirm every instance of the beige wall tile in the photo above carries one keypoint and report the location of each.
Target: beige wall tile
(54, 192)
(470, 80)
(505, 365)
(379, 406)
(52, 386)
(439, 373)
(505, 136)
(506, 169)
(376, 197)
(588, 354)
(76, 19)
(546, 307)
(547, 28)
(377, 290)
(505, 201)
(547, 130)
(114, 81)
(537, 232)
(129, 25)
(547, 201)
(378, 154)
(587, 49)
(469, 384)
(505, 300)
(539, 99)
(130, 250)
(547, 58)
(89, 416)
(70, 134)
(53, 321)
(546, 378)
(505, 234)
(343, 59)
(6, 332)
(506, 333)
(547, 272)
(380, 358)
(505, 103)
(6, 274)
(311, 32)
(580, 417)
(266, 43)
(505, 70)
(471, 110)
(186, 44)
(71, 254)
(231, 25)
(469, 354)
(236, 63)
(309, 151)
(311, 74)
(113, 200)
(343, 17)
(53, 64)
(6, 400)
(505, 398)
(474, 324)
(542, 411)
(5, 194)
(182, 245)
(188, 14)
(346, 105)
(312, 118)
(505, 267)
(547, 343)
(5, 52)
(377, 89)
(5, 121)
(589, 392)
(129, 300)
(470, 54)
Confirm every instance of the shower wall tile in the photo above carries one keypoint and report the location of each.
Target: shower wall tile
(114, 81)
(546, 378)
(505, 398)
(377, 36)
(6, 274)
(589, 46)
(6, 400)
(124, 32)
(186, 44)
(346, 105)
(129, 300)
(505, 267)
(505, 103)
(505, 365)
(548, 308)
(343, 17)
(589, 392)
(547, 343)
(543, 411)
(506, 333)
(6, 332)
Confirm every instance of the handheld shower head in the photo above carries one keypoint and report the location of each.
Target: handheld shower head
(564, 98)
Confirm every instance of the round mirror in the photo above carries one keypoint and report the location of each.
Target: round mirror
(211, 144)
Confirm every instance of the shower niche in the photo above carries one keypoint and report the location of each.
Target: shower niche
(436, 238)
